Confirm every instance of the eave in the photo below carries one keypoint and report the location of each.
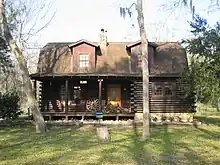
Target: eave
(83, 41)
(139, 42)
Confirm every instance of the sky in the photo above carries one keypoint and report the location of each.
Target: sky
(75, 20)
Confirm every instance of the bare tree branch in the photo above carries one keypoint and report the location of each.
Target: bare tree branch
(39, 120)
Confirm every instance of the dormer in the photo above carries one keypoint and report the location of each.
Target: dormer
(83, 55)
(134, 50)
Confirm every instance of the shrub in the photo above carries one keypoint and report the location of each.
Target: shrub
(9, 105)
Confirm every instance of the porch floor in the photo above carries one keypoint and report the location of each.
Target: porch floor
(85, 115)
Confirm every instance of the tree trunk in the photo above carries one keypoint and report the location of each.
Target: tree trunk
(145, 70)
(38, 118)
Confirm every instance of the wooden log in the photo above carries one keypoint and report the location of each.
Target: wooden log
(103, 134)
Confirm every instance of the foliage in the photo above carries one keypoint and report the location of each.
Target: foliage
(9, 105)
(8, 80)
(204, 49)
(5, 61)
(126, 11)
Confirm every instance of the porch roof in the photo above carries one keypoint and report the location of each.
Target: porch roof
(69, 75)
(97, 75)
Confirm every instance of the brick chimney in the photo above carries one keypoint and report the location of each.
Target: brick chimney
(103, 41)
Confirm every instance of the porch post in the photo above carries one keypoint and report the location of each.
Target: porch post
(100, 94)
(66, 101)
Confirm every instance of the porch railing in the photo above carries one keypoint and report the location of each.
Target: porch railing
(80, 106)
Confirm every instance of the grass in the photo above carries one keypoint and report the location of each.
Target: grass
(72, 145)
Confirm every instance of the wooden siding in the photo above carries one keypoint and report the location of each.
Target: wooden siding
(136, 58)
(132, 96)
(138, 96)
(83, 48)
(176, 104)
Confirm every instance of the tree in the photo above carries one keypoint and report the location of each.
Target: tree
(6, 31)
(6, 68)
(204, 48)
(26, 19)
(5, 62)
(145, 69)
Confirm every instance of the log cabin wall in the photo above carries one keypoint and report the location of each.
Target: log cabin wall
(39, 94)
(132, 91)
(166, 95)
(138, 96)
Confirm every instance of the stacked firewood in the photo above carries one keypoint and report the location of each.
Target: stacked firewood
(110, 108)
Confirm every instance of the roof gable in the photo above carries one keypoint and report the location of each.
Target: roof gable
(81, 42)
(139, 42)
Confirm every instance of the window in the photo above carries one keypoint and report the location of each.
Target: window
(83, 60)
(158, 90)
(163, 89)
(168, 90)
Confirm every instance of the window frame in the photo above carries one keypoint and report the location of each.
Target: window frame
(172, 89)
(163, 85)
(153, 91)
(80, 54)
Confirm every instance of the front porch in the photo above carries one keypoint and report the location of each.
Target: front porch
(80, 98)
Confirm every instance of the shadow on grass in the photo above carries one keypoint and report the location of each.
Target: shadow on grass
(128, 149)
(74, 145)
(209, 120)
(140, 154)
(23, 143)
(211, 135)
(59, 146)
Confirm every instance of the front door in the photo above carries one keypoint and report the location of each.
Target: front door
(114, 94)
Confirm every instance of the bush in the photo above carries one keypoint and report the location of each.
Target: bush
(9, 105)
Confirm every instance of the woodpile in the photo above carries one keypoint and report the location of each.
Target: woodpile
(110, 108)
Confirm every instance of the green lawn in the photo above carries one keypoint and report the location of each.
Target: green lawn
(71, 145)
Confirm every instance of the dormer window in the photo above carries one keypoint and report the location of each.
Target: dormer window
(83, 60)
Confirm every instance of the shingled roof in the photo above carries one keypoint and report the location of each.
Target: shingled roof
(169, 58)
